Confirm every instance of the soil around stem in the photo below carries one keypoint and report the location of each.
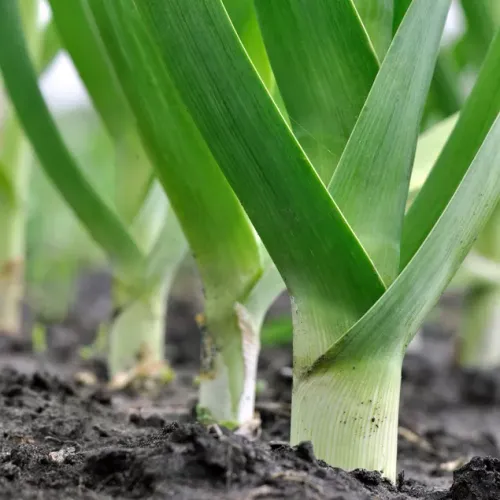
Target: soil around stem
(62, 440)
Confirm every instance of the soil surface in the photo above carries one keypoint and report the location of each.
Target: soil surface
(60, 439)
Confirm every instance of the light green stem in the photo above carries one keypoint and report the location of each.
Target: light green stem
(350, 413)
(139, 330)
(229, 368)
(229, 365)
(479, 344)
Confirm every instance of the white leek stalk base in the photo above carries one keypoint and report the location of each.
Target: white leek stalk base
(350, 413)
(138, 331)
(228, 378)
(479, 344)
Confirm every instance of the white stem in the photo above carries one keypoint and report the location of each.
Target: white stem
(229, 374)
(349, 412)
(138, 328)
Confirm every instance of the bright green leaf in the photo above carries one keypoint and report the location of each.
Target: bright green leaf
(81, 39)
(324, 67)
(429, 146)
(21, 83)
(370, 184)
(476, 118)
(396, 317)
(377, 17)
(262, 159)
(214, 222)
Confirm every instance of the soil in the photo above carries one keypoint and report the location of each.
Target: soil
(63, 440)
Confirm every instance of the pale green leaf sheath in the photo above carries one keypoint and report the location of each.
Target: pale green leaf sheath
(223, 241)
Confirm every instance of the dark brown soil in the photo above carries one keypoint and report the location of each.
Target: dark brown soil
(60, 440)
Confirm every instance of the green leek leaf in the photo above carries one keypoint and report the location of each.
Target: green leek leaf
(262, 159)
(397, 316)
(21, 83)
(429, 146)
(476, 118)
(213, 220)
(324, 67)
(81, 39)
(378, 18)
(244, 19)
(370, 184)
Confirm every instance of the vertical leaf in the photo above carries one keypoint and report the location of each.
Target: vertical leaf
(324, 67)
(377, 17)
(370, 184)
(477, 116)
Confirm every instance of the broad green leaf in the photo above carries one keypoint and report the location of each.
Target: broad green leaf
(213, 220)
(370, 184)
(324, 67)
(377, 17)
(429, 146)
(476, 118)
(262, 160)
(392, 322)
(21, 83)
(81, 39)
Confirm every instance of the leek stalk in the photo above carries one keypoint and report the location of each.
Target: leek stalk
(356, 304)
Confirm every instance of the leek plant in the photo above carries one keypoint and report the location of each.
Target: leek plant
(314, 136)
(138, 326)
(362, 274)
(137, 229)
(240, 279)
